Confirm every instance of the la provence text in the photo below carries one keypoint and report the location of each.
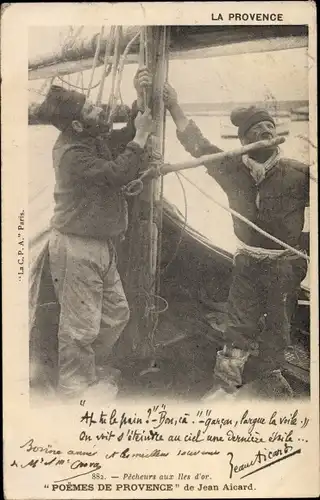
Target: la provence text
(244, 16)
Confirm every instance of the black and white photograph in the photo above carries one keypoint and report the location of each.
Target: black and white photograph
(160, 259)
(151, 277)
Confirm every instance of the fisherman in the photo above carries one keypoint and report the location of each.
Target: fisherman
(91, 164)
(272, 192)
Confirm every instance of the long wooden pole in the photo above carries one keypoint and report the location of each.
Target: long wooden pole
(142, 237)
(158, 112)
(154, 43)
(224, 155)
(156, 46)
(168, 168)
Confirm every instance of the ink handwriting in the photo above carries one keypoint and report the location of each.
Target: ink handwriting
(264, 457)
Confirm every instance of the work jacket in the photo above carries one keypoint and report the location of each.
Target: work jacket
(90, 173)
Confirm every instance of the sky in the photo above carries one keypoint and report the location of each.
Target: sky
(244, 77)
(279, 75)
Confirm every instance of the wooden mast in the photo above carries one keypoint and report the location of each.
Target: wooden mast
(145, 209)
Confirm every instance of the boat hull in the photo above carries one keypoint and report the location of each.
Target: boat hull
(299, 117)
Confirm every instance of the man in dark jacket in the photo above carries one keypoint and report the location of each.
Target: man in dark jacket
(272, 192)
(92, 164)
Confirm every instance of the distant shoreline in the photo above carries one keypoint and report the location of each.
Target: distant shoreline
(296, 110)
(224, 108)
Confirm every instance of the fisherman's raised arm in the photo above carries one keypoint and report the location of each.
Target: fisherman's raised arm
(188, 132)
(81, 162)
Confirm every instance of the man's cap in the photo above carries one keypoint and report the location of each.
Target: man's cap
(61, 107)
(245, 118)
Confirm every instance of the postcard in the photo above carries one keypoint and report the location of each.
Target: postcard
(160, 270)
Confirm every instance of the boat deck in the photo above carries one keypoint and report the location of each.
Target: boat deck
(183, 364)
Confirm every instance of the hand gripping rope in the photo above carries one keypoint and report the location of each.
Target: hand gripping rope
(135, 187)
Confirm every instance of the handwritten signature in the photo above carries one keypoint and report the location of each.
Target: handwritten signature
(262, 459)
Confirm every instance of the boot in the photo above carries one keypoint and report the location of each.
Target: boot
(109, 373)
(227, 373)
(106, 385)
(104, 388)
(104, 391)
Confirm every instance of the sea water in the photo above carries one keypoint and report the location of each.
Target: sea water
(203, 214)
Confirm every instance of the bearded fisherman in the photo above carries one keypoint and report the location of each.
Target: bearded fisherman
(272, 192)
(92, 164)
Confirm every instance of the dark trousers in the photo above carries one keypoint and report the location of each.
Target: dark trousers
(264, 291)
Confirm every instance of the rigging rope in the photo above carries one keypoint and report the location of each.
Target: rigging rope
(121, 66)
(95, 61)
(183, 227)
(165, 58)
(117, 71)
(143, 58)
(246, 221)
(139, 186)
(115, 95)
(105, 64)
(154, 263)
(135, 187)
(81, 87)
(115, 62)
(143, 61)
(71, 38)
(162, 46)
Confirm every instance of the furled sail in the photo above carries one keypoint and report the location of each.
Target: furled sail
(76, 53)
